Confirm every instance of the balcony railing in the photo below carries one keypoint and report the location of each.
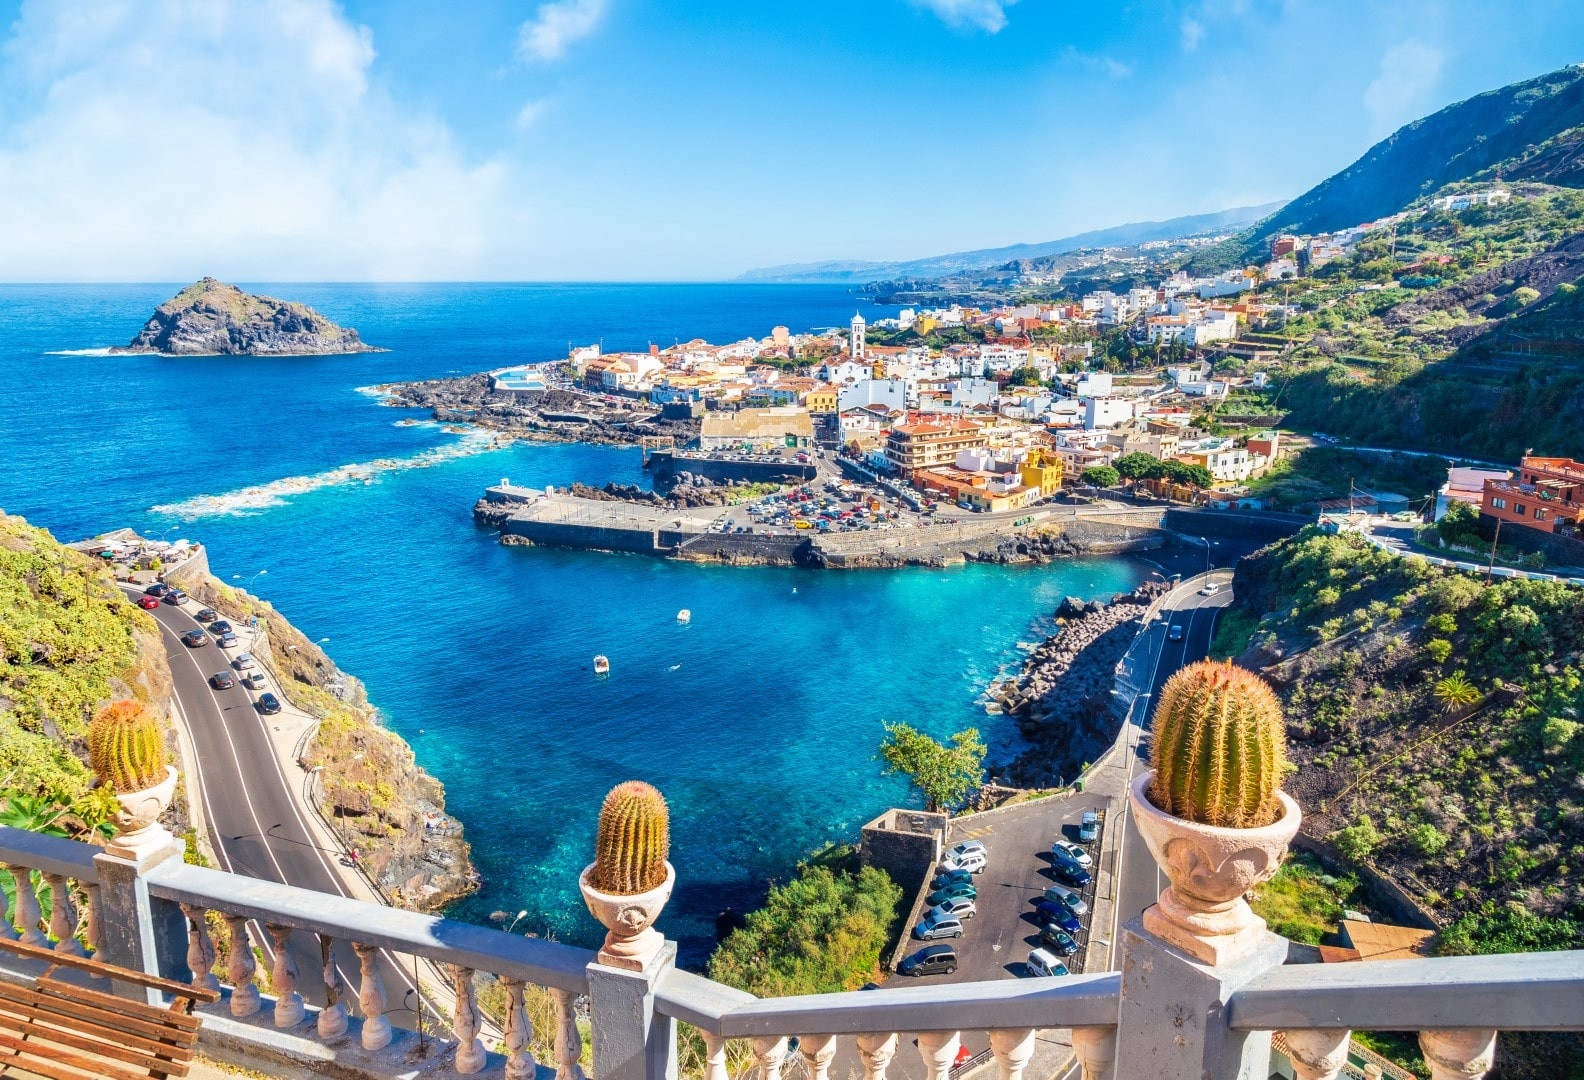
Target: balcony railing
(1164, 1015)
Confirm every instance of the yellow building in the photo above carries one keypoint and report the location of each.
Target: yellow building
(1042, 472)
(820, 400)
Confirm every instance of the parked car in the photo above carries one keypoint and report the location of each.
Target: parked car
(964, 848)
(930, 960)
(228, 641)
(1070, 872)
(1069, 898)
(950, 892)
(207, 615)
(931, 928)
(951, 877)
(1175, 633)
(220, 626)
(1089, 827)
(1057, 915)
(148, 603)
(1043, 964)
(254, 680)
(1072, 851)
(243, 661)
(1058, 941)
(961, 907)
(175, 597)
(268, 704)
(222, 680)
(1210, 590)
(971, 861)
(194, 639)
(159, 588)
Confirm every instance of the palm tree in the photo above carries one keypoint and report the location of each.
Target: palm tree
(1456, 692)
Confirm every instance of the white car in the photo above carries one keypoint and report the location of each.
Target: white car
(254, 680)
(971, 861)
(1073, 852)
(965, 847)
(1043, 963)
(1210, 589)
(243, 661)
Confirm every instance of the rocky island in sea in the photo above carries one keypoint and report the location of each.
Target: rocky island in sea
(210, 318)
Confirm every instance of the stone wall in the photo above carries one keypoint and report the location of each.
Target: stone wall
(666, 463)
(593, 538)
(905, 844)
(1267, 527)
(1558, 550)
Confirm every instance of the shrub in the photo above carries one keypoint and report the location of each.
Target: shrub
(1359, 841)
(1556, 733)
(1438, 649)
(1428, 839)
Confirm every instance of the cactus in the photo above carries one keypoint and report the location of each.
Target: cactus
(1219, 747)
(634, 839)
(126, 748)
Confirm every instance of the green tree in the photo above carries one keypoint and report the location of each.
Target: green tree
(1024, 376)
(1100, 476)
(1455, 692)
(1459, 525)
(945, 772)
(1137, 466)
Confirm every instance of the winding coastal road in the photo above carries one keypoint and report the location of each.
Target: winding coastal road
(256, 826)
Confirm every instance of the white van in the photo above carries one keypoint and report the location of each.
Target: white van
(971, 861)
(1044, 964)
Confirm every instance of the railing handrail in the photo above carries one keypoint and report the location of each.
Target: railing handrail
(543, 963)
(1073, 1001)
(50, 854)
(1509, 992)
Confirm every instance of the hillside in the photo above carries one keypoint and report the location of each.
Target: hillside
(1469, 795)
(938, 266)
(210, 317)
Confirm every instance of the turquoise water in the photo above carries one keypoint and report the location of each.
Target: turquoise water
(758, 720)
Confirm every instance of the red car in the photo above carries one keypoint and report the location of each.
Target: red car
(148, 603)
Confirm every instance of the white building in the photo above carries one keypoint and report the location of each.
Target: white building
(1106, 412)
(856, 345)
(892, 393)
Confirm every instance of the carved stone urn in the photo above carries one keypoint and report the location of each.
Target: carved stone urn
(1203, 911)
(139, 833)
(631, 941)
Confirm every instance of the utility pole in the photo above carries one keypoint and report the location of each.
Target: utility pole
(1489, 569)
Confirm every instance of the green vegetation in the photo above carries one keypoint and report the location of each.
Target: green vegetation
(821, 932)
(1142, 466)
(1302, 902)
(1100, 476)
(1328, 472)
(633, 841)
(1217, 749)
(946, 773)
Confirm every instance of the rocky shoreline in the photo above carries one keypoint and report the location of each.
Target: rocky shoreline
(1061, 696)
(211, 318)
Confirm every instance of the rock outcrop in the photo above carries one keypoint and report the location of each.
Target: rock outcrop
(210, 317)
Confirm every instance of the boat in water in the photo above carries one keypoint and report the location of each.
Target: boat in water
(684, 616)
(601, 665)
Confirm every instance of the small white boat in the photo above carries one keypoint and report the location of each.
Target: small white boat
(684, 616)
(601, 666)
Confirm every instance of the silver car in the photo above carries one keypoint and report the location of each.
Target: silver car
(1068, 898)
(958, 907)
(932, 928)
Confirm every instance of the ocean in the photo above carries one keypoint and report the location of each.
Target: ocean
(759, 720)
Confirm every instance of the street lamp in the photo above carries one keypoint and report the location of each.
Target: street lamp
(250, 581)
(521, 914)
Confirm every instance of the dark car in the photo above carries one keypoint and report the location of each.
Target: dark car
(1050, 914)
(940, 896)
(148, 603)
(220, 626)
(1070, 872)
(194, 639)
(268, 704)
(176, 596)
(207, 615)
(1175, 633)
(930, 960)
(1058, 941)
(951, 877)
(222, 680)
(157, 589)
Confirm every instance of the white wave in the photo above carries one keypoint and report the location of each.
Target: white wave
(250, 500)
(105, 351)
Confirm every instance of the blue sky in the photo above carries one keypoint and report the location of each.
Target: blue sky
(640, 140)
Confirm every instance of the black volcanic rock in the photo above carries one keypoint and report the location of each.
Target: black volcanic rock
(211, 317)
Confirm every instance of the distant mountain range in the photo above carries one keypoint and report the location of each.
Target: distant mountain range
(859, 272)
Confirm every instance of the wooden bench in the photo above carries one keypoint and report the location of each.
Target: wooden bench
(57, 1029)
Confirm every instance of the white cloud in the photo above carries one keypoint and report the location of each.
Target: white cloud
(1402, 90)
(162, 140)
(557, 25)
(987, 15)
(1193, 32)
(529, 114)
(1105, 65)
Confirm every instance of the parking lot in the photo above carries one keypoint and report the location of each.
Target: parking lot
(997, 940)
(831, 505)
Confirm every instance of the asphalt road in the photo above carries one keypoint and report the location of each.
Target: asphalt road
(255, 825)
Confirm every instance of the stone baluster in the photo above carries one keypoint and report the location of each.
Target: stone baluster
(289, 1010)
(1317, 1054)
(332, 1021)
(816, 1052)
(1096, 1050)
(771, 1050)
(568, 1043)
(1012, 1047)
(876, 1049)
(92, 931)
(63, 915)
(240, 968)
(371, 998)
(1458, 1054)
(714, 1057)
(26, 914)
(200, 950)
(939, 1051)
(520, 1063)
(465, 1022)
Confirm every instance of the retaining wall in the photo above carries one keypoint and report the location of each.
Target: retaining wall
(666, 464)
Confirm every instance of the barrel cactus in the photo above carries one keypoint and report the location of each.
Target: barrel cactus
(126, 748)
(1219, 747)
(634, 839)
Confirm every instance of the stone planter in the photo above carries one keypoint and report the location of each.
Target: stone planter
(631, 941)
(1203, 911)
(139, 833)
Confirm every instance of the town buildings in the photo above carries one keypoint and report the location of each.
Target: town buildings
(1546, 495)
